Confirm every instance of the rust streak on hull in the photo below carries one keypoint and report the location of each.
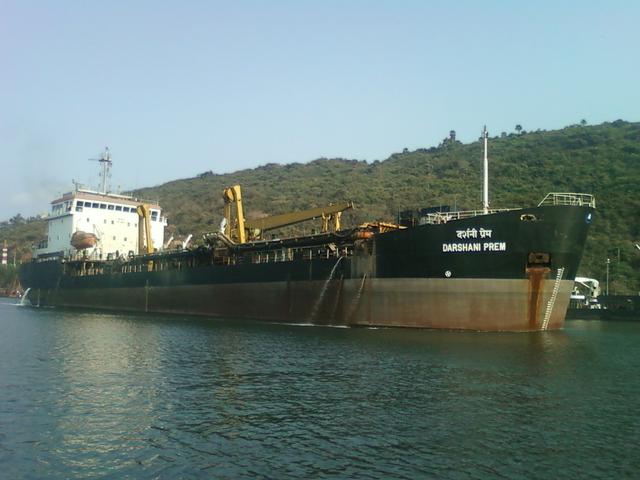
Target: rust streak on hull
(536, 277)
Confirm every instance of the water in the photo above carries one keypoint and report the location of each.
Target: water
(323, 291)
(356, 300)
(90, 395)
(23, 299)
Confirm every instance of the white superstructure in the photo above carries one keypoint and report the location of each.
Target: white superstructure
(112, 218)
(585, 292)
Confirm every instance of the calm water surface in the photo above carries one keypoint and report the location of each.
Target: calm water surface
(92, 395)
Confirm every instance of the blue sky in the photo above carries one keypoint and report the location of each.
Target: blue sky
(178, 88)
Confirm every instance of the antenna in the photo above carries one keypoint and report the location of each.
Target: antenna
(485, 184)
(105, 170)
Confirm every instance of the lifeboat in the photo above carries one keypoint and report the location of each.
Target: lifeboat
(83, 240)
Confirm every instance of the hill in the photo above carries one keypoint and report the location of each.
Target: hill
(602, 159)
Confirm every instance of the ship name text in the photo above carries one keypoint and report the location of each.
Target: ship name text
(474, 233)
(475, 247)
(488, 245)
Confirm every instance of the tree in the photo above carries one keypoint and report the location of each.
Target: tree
(583, 122)
(503, 135)
(17, 220)
(518, 128)
(452, 135)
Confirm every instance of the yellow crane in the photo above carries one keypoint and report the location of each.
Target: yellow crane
(144, 229)
(233, 196)
(236, 227)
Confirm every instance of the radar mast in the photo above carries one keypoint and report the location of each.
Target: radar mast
(105, 171)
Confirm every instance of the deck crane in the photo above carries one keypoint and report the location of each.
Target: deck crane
(145, 242)
(242, 230)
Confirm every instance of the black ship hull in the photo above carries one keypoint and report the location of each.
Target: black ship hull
(507, 271)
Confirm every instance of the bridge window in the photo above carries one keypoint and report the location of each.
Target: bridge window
(110, 207)
(95, 205)
(103, 206)
(118, 208)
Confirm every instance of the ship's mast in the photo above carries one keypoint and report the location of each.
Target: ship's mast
(485, 183)
(105, 171)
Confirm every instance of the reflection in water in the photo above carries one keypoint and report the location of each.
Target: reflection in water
(86, 395)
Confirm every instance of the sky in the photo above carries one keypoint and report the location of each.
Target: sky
(179, 88)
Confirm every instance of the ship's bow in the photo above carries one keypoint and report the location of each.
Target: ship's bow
(505, 271)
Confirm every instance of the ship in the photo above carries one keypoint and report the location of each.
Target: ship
(485, 270)
(588, 303)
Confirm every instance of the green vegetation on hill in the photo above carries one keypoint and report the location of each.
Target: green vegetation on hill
(20, 234)
(603, 160)
(8, 279)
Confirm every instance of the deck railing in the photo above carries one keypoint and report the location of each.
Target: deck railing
(553, 198)
(444, 217)
(563, 198)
